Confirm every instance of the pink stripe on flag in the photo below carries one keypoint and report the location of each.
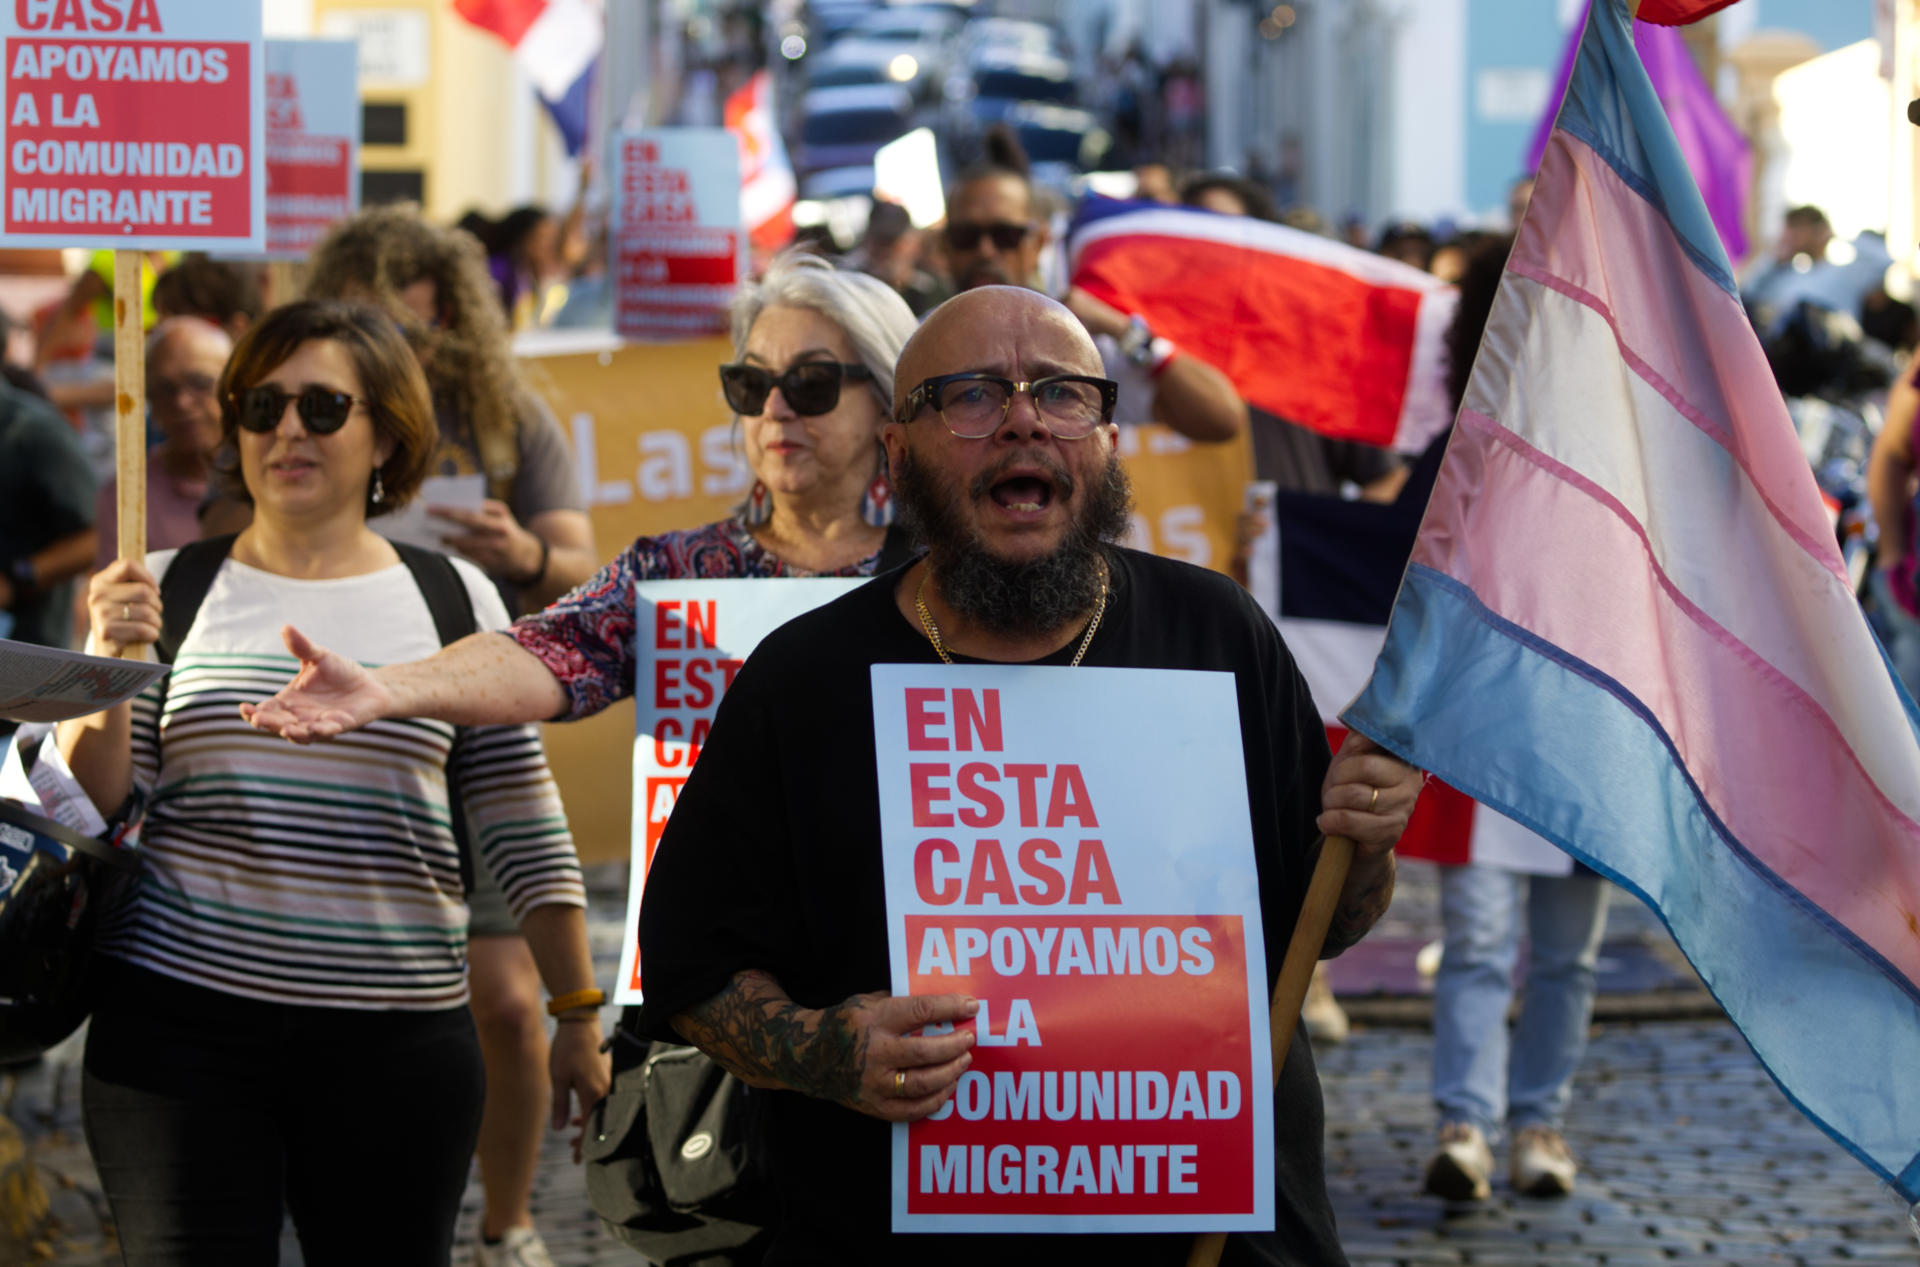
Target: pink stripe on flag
(1555, 554)
(1592, 238)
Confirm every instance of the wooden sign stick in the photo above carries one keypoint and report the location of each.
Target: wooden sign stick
(1290, 991)
(130, 411)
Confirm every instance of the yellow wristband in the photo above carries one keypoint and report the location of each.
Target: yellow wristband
(578, 998)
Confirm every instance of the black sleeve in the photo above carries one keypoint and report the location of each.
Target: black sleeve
(718, 896)
(66, 490)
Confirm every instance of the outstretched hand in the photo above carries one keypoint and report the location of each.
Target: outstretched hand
(328, 697)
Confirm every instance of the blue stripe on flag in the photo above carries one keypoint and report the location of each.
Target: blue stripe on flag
(1523, 727)
(1622, 119)
(569, 113)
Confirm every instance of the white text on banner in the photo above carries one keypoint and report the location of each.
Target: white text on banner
(313, 141)
(678, 247)
(1072, 847)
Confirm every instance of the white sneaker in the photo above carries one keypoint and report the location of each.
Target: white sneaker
(519, 1247)
(1543, 1166)
(1459, 1170)
(1326, 1019)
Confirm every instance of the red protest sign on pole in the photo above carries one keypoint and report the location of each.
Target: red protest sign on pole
(1072, 848)
(313, 141)
(132, 124)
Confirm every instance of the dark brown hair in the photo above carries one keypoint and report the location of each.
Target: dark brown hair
(394, 389)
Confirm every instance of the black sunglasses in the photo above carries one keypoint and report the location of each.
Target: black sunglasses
(322, 410)
(966, 237)
(811, 387)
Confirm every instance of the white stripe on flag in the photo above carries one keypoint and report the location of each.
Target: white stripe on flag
(1335, 657)
(562, 42)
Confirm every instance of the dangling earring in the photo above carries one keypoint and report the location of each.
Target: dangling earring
(379, 493)
(759, 507)
(876, 505)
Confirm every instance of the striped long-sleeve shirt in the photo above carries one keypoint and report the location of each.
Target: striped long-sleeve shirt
(326, 875)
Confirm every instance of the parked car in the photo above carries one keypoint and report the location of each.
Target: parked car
(1061, 141)
(827, 21)
(845, 126)
(996, 83)
(1009, 37)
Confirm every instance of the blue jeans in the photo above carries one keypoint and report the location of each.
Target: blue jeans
(1901, 630)
(1476, 1079)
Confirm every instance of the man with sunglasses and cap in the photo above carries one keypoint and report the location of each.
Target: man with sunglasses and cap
(763, 928)
(995, 236)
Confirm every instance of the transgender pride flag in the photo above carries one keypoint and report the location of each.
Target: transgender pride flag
(1626, 624)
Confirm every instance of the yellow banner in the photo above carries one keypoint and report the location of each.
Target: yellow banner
(657, 450)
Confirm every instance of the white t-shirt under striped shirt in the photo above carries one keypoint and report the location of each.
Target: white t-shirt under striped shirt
(325, 875)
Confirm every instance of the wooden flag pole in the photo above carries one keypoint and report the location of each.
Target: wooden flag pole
(1290, 991)
(130, 411)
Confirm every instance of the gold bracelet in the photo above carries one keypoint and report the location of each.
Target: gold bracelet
(575, 999)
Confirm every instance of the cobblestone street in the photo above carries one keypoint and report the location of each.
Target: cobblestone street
(1690, 1154)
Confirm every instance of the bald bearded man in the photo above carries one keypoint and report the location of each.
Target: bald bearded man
(763, 927)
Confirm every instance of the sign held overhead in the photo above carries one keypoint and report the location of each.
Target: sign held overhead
(132, 124)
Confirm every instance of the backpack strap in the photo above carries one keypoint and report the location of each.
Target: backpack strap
(452, 609)
(184, 587)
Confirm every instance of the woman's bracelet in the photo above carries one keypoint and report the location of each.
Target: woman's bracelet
(540, 573)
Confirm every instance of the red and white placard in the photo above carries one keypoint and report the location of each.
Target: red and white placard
(691, 637)
(679, 250)
(313, 141)
(132, 124)
(1072, 847)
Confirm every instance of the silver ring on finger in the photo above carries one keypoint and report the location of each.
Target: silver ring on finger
(899, 1082)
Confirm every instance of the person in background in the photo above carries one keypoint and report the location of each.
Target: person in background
(284, 1027)
(1485, 1084)
(891, 249)
(994, 236)
(47, 491)
(1153, 181)
(1890, 491)
(223, 292)
(185, 356)
(1449, 262)
(531, 255)
(1409, 243)
(1519, 198)
(16, 374)
(1230, 195)
(533, 539)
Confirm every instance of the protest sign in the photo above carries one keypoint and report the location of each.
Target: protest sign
(1072, 848)
(313, 141)
(678, 246)
(133, 124)
(690, 638)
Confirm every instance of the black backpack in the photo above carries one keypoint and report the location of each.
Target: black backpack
(191, 574)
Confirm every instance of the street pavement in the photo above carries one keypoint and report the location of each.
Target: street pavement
(1690, 1154)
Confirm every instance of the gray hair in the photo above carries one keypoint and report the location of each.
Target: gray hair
(874, 318)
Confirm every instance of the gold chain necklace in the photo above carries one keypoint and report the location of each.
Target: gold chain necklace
(933, 630)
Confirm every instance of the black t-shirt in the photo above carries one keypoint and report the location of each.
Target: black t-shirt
(47, 492)
(772, 861)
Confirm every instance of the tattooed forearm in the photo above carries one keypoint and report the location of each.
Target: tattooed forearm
(755, 1032)
(1363, 900)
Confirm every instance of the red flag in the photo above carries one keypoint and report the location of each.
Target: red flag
(1678, 12)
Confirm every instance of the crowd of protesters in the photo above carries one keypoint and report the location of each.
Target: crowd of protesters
(283, 433)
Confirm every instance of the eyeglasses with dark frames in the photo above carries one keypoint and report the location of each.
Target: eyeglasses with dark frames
(973, 406)
(323, 411)
(810, 387)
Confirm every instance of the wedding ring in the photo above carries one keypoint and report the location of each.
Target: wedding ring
(899, 1082)
(126, 611)
(1373, 801)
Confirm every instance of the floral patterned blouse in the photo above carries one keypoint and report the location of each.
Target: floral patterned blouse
(587, 637)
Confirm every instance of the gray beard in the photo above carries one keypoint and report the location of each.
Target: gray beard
(1010, 598)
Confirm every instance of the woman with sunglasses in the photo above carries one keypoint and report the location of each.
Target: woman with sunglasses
(286, 1027)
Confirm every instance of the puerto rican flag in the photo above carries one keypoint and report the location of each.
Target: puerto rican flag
(1339, 340)
(1340, 564)
(557, 43)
